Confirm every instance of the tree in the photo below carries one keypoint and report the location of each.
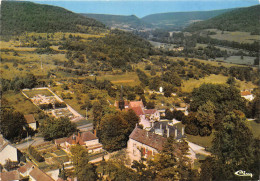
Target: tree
(150, 105)
(113, 132)
(131, 118)
(206, 117)
(13, 124)
(57, 128)
(84, 171)
(233, 150)
(172, 162)
(172, 78)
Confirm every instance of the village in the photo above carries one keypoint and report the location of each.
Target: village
(145, 141)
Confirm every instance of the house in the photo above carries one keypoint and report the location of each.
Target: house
(33, 172)
(10, 176)
(147, 116)
(31, 121)
(26, 172)
(144, 143)
(7, 151)
(166, 129)
(247, 95)
(87, 139)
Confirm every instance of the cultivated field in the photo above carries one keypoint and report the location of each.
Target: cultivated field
(190, 84)
(237, 36)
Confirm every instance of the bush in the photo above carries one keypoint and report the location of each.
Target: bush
(35, 154)
(192, 129)
(205, 131)
(60, 105)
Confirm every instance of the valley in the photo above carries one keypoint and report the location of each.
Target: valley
(111, 97)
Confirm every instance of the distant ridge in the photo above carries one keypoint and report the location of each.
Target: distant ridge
(241, 19)
(18, 17)
(180, 19)
(113, 20)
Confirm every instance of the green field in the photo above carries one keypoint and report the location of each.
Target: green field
(255, 128)
(32, 93)
(237, 36)
(238, 60)
(205, 141)
(190, 84)
(20, 103)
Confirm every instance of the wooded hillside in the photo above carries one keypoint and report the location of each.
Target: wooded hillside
(18, 17)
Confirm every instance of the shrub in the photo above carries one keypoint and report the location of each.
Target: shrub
(35, 154)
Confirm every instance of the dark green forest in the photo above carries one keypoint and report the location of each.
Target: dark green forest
(242, 19)
(177, 20)
(110, 20)
(18, 17)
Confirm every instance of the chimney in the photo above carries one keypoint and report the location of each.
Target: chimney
(175, 131)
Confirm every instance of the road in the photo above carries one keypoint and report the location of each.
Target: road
(36, 141)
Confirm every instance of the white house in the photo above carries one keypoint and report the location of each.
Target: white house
(144, 143)
(7, 151)
(247, 95)
(31, 121)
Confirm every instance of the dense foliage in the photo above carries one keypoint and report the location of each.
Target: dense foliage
(242, 19)
(83, 170)
(35, 154)
(57, 128)
(210, 103)
(116, 49)
(114, 129)
(234, 148)
(18, 17)
(13, 125)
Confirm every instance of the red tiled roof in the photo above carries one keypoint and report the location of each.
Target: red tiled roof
(25, 168)
(29, 118)
(149, 111)
(39, 175)
(138, 111)
(133, 104)
(8, 176)
(245, 93)
(83, 137)
(60, 140)
(150, 139)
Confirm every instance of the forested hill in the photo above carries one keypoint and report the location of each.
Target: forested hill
(242, 19)
(19, 17)
(113, 20)
(180, 19)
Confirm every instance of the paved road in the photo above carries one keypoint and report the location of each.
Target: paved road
(198, 149)
(36, 141)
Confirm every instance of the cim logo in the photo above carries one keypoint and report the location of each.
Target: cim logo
(243, 173)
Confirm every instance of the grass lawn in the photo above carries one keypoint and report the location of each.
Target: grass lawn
(205, 141)
(129, 79)
(60, 153)
(255, 128)
(32, 93)
(20, 103)
(190, 84)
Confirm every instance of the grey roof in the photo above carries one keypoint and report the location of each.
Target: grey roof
(163, 125)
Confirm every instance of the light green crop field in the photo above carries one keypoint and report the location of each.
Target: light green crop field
(32, 93)
(19, 102)
(245, 60)
(190, 84)
(237, 36)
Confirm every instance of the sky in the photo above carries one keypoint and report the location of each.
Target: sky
(143, 8)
